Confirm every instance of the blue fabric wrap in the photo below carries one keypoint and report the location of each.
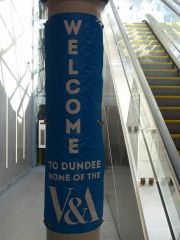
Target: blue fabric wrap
(74, 195)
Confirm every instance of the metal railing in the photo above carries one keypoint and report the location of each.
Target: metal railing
(174, 7)
(172, 50)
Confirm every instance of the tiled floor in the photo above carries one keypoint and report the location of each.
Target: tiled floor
(21, 211)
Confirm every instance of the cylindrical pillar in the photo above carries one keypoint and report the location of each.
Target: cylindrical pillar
(74, 144)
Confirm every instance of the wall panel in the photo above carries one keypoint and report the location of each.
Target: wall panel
(2, 129)
(16, 118)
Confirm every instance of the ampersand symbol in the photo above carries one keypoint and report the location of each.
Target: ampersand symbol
(74, 203)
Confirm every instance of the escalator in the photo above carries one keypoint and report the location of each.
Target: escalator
(161, 73)
(141, 66)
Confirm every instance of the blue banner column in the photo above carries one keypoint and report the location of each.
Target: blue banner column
(74, 146)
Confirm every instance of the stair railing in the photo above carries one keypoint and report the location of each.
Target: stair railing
(172, 50)
(174, 7)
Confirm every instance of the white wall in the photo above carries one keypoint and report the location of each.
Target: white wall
(16, 86)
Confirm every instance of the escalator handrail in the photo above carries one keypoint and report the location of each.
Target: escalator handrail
(172, 7)
(164, 133)
(170, 47)
(177, 2)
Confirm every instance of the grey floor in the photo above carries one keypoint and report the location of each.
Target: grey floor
(21, 211)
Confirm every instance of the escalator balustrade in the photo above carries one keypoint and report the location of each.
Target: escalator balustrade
(161, 73)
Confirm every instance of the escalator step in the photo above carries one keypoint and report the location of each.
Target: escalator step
(147, 47)
(168, 101)
(154, 58)
(167, 97)
(157, 65)
(161, 72)
(139, 26)
(175, 136)
(144, 41)
(170, 108)
(138, 30)
(170, 113)
(135, 23)
(142, 37)
(172, 121)
(165, 90)
(141, 53)
(176, 140)
(173, 126)
(137, 44)
(149, 41)
(134, 33)
(163, 81)
(137, 34)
